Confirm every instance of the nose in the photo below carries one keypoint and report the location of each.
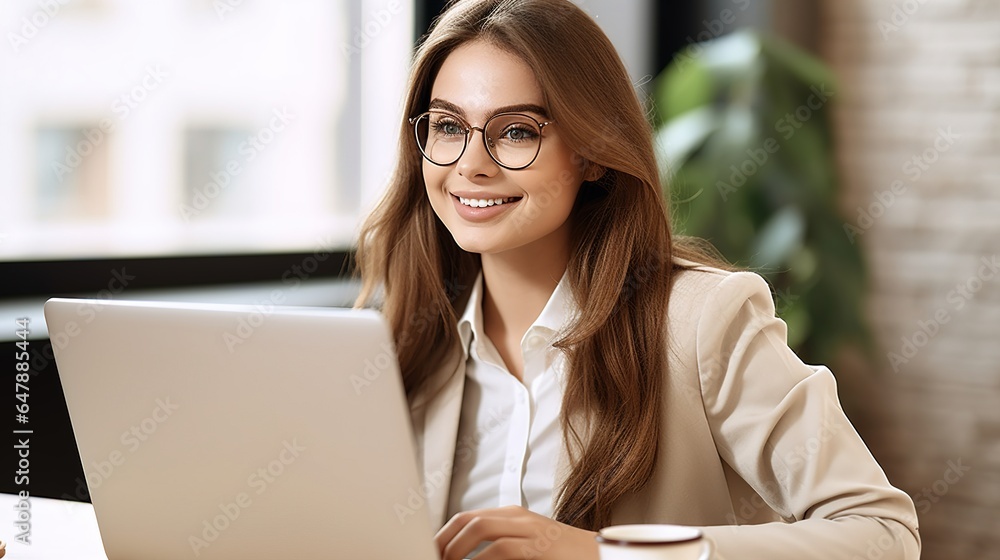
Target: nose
(476, 161)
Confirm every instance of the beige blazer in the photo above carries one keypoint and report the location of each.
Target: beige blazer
(755, 446)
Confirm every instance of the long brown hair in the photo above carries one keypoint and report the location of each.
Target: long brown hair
(620, 269)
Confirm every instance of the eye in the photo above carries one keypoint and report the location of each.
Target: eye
(519, 132)
(448, 127)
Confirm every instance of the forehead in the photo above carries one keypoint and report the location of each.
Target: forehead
(479, 77)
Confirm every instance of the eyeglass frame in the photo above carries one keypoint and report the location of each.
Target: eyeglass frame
(482, 130)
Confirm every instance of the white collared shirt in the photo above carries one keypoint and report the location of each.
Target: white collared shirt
(509, 437)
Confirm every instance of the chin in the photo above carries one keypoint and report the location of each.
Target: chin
(478, 243)
(475, 246)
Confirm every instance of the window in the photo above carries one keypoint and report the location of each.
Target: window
(71, 175)
(165, 127)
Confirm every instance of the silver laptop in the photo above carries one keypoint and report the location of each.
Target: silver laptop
(222, 432)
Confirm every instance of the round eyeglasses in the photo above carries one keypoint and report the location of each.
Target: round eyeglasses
(513, 140)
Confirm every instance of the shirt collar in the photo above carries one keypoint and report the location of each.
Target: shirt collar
(470, 324)
(557, 314)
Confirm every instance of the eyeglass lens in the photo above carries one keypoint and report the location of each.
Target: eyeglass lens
(512, 139)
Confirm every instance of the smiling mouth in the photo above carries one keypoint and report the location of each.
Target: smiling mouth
(484, 202)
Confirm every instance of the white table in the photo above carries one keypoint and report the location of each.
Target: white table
(59, 529)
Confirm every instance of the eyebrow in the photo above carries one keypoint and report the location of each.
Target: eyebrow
(437, 103)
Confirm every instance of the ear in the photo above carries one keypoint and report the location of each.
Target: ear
(594, 171)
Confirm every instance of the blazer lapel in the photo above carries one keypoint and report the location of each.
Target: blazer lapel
(441, 413)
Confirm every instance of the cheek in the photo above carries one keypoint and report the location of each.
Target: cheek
(433, 178)
(564, 165)
(560, 183)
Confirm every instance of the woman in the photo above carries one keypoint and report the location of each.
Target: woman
(568, 363)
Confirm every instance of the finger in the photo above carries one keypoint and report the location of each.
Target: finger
(450, 529)
(508, 548)
(480, 529)
(459, 520)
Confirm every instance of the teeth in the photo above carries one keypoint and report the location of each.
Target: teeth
(484, 202)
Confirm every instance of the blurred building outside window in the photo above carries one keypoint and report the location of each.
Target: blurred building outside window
(169, 127)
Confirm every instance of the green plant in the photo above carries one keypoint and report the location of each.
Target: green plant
(743, 134)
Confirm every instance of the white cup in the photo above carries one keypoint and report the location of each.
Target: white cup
(653, 542)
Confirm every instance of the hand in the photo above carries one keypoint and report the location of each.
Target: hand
(517, 534)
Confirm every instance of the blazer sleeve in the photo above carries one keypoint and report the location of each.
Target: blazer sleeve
(779, 424)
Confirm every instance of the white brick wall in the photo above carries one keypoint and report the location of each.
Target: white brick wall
(939, 68)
